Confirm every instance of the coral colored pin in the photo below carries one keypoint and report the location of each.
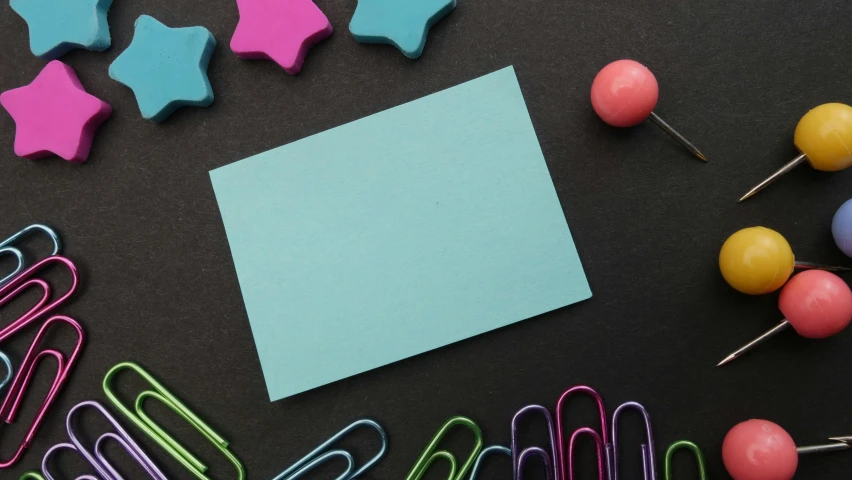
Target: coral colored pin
(816, 303)
(762, 450)
(624, 94)
(822, 136)
(758, 260)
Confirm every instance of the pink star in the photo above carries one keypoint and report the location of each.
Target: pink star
(54, 115)
(279, 30)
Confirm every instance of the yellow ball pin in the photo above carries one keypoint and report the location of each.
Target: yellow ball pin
(758, 260)
(824, 138)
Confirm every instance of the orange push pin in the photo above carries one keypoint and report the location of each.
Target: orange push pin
(824, 137)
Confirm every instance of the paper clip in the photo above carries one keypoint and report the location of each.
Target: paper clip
(14, 252)
(34, 356)
(602, 444)
(649, 464)
(6, 247)
(319, 455)
(96, 457)
(430, 454)
(8, 365)
(44, 305)
(519, 458)
(696, 451)
(32, 475)
(494, 449)
(166, 441)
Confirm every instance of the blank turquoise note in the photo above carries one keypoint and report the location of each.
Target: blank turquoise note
(396, 234)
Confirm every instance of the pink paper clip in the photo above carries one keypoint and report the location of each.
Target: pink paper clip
(36, 354)
(602, 444)
(27, 280)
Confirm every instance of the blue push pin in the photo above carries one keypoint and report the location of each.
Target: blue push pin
(841, 228)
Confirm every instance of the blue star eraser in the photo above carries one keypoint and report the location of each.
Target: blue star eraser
(59, 26)
(401, 23)
(166, 67)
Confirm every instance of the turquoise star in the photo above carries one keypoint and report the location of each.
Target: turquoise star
(166, 67)
(401, 23)
(59, 26)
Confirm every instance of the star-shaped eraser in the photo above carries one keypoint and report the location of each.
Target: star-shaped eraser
(166, 67)
(401, 23)
(54, 115)
(59, 26)
(279, 30)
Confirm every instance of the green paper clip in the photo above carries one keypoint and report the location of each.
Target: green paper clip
(166, 441)
(687, 445)
(429, 455)
(32, 475)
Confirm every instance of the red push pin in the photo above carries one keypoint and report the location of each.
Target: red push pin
(762, 450)
(625, 93)
(818, 304)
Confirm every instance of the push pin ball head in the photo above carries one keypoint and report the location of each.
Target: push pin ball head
(756, 260)
(818, 304)
(624, 93)
(759, 450)
(824, 136)
(841, 228)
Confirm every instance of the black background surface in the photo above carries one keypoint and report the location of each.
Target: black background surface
(160, 288)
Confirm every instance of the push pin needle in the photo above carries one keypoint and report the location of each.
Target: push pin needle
(822, 136)
(677, 136)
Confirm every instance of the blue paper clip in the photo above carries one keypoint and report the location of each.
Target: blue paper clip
(520, 458)
(492, 450)
(6, 248)
(8, 364)
(649, 464)
(321, 454)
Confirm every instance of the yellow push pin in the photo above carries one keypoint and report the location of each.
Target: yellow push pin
(824, 136)
(758, 260)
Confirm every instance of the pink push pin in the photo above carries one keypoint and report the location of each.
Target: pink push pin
(818, 304)
(762, 450)
(625, 93)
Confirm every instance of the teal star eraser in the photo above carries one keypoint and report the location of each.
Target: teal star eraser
(59, 26)
(166, 67)
(401, 23)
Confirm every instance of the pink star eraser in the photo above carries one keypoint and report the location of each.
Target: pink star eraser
(279, 30)
(54, 115)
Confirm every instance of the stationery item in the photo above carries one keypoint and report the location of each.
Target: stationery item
(404, 25)
(841, 228)
(431, 452)
(59, 26)
(46, 304)
(822, 136)
(758, 260)
(397, 234)
(625, 93)
(779, 456)
(696, 451)
(322, 454)
(160, 436)
(649, 463)
(601, 440)
(7, 247)
(486, 452)
(520, 457)
(279, 30)
(36, 354)
(166, 68)
(33, 475)
(817, 304)
(7, 365)
(95, 456)
(54, 115)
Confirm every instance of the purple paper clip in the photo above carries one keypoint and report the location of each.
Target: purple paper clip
(649, 464)
(96, 456)
(520, 458)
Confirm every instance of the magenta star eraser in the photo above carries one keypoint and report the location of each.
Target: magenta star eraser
(54, 115)
(279, 30)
